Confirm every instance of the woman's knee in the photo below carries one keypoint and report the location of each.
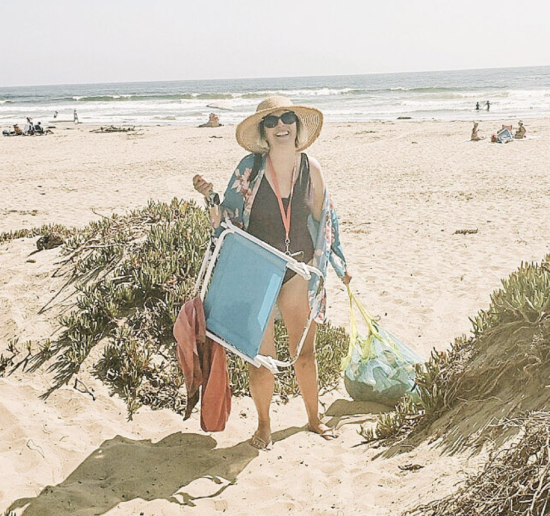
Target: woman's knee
(305, 360)
(295, 336)
(259, 374)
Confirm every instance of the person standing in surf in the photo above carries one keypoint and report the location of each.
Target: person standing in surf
(278, 194)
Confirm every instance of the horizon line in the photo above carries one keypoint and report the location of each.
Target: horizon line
(270, 77)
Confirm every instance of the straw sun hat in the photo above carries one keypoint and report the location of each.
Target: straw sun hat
(248, 131)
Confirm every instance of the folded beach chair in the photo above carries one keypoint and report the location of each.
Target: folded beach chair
(504, 135)
(241, 279)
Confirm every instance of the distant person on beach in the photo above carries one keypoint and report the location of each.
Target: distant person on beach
(278, 194)
(55, 114)
(521, 131)
(475, 136)
(213, 121)
(17, 130)
(75, 117)
(29, 127)
(488, 105)
(477, 106)
(38, 128)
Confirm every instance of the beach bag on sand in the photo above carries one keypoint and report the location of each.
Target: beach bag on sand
(378, 366)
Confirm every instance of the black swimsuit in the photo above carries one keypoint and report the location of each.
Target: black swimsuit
(266, 222)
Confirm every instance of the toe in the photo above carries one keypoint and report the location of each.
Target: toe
(260, 444)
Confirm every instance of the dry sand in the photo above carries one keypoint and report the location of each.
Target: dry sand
(402, 190)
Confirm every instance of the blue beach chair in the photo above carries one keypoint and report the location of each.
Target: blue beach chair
(241, 279)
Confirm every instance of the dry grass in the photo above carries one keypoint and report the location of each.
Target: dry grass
(514, 481)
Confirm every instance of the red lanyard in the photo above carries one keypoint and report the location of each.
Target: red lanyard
(284, 215)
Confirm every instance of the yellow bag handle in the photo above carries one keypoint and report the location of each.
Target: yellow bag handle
(370, 321)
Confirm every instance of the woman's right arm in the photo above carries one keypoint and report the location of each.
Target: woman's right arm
(237, 189)
(205, 188)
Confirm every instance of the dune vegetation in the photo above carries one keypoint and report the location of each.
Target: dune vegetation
(126, 280)
(489, 389)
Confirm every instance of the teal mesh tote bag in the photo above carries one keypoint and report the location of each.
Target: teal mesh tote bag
(378, 366)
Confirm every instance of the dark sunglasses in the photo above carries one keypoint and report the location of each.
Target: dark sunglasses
(271, 121)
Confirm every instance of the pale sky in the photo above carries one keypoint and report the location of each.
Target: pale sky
(75, 41)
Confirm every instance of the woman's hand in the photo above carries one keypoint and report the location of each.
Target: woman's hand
(346, 278)
(202, 186)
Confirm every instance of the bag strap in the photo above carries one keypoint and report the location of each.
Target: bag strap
(365, 344)
(369, 319)
(353, 332)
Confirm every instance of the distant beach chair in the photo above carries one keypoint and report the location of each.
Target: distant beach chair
(241, 279)
(503, 136)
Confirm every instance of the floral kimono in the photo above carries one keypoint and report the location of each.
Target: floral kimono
(237, 204)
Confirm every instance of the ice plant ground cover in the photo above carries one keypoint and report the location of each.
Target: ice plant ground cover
(127, 276)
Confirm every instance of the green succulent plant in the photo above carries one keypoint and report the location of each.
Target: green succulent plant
(509, 340)
(131, 274)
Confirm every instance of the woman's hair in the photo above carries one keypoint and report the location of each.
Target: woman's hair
(301, 136)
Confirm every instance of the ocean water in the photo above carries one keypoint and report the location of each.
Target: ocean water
(450, 95)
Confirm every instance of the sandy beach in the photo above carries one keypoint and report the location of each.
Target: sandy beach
(405, 192)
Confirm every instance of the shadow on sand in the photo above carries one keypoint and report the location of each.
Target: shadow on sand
(344, 412)
(123, 469)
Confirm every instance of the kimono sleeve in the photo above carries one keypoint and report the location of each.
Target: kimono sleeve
(232, 206)
(337, 258)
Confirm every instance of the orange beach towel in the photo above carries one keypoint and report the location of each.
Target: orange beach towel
(204, 364)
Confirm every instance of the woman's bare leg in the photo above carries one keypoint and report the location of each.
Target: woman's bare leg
(294, 307)
(261, 388)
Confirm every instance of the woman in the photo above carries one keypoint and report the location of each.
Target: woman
(521, 132)
(278, 194)
(475, 133)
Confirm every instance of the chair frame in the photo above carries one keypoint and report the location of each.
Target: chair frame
(208, 265)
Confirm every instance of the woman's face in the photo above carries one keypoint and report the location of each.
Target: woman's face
(282, 134)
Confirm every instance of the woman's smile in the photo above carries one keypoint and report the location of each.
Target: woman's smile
(282, 133)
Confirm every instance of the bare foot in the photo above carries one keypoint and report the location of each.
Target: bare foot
(260, 444)
(324, 431)
(262, 439)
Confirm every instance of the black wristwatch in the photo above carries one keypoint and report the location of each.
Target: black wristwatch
(213, 200)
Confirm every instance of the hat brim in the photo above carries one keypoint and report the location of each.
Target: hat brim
(248, 131)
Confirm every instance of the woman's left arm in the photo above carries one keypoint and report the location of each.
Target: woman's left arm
(318, 186)
(337, 258)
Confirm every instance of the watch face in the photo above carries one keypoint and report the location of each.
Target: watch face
(214, 199)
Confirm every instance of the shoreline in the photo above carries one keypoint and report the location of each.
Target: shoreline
(483, 116)
(443, 95)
